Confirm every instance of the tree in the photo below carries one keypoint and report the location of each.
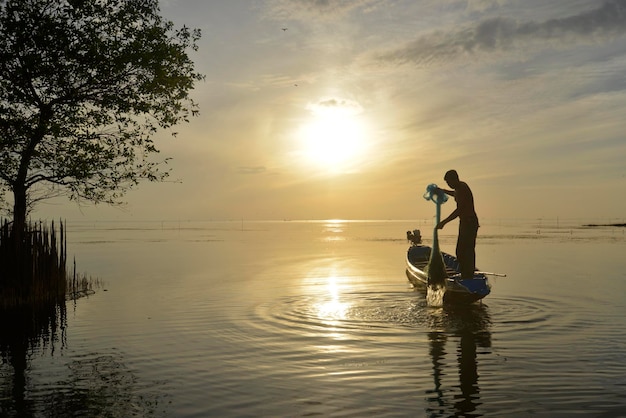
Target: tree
(84, 86)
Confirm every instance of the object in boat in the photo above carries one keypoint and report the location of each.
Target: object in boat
(463, 291)
(414, 236)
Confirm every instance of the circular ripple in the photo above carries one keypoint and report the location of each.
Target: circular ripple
(362, 313)
(534, 315)
(366, 315)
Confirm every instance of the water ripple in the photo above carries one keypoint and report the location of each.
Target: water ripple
(365, 315)
(521, 317)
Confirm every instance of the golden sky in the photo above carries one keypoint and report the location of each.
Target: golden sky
(322, 109)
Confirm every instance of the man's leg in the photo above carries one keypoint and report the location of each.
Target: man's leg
(466, 248)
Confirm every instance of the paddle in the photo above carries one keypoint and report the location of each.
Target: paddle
(492, 274)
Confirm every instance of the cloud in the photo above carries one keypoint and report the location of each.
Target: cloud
(251, 170)
(317, 9)
(504, 33)
(337, 105)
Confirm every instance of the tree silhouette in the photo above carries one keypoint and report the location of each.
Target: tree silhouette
(84, 86)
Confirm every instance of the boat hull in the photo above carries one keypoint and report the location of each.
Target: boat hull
(458, 291)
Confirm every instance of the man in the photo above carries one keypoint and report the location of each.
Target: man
(468, 223)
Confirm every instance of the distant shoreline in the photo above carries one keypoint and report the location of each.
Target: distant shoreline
(595, 225)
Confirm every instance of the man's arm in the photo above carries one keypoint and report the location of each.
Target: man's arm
(453, 215)
(448, 192)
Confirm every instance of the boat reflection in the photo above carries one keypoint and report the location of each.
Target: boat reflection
(469, 328)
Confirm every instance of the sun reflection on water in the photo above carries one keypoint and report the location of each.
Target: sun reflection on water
(331, 311)
(332, 308)
(331, 283)
(334, 229)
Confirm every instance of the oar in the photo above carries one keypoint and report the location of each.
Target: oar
(492, 274)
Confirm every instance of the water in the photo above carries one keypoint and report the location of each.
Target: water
(434, 296)
(318, 319)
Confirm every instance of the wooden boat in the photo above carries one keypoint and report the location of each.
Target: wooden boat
(458, 291)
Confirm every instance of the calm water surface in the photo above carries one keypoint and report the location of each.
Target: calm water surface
(318, 319)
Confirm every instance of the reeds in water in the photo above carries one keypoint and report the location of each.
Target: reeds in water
(33, 271)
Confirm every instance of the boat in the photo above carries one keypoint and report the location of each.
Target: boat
(457, 290)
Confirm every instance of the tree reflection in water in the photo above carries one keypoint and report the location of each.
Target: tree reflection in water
(26, 329)
(95, 385)
(469, 326)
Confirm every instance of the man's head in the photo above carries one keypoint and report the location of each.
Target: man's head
(452, 178)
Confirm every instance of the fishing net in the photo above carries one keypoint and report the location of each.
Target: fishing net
(436, 269)
(435, 194)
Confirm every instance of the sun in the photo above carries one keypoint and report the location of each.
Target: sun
(335, 137)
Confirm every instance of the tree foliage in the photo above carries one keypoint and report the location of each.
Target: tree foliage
(84, 86)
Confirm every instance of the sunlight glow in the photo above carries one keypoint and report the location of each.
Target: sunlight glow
(333, 308)
(336, 136)
(334, 229)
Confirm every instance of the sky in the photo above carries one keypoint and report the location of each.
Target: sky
(336, 109)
